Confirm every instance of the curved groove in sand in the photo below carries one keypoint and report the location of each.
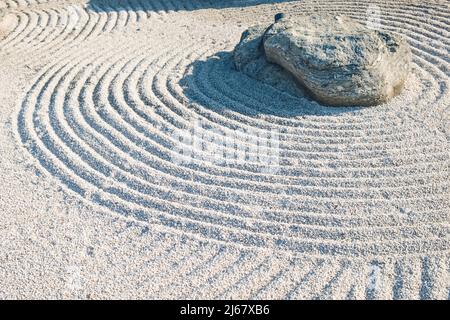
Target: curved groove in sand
(106, 132)
(358, 184)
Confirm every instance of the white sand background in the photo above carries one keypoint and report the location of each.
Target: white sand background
(96, 203)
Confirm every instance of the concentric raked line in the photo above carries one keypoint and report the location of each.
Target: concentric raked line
(59, 128)
(67, 25)
(322, 144)
(297, 132)
(100, 118)
(118, 14)
(64, 30)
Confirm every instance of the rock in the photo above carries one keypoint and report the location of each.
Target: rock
(340, 61)
(249, 58)
(249, 47)
(337, 60)
(279, 16)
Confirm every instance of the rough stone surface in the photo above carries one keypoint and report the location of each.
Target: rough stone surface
(249, 58)
(337, 59)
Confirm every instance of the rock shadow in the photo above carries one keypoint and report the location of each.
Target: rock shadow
(215, 83)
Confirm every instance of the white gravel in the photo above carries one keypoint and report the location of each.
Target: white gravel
(97, 202)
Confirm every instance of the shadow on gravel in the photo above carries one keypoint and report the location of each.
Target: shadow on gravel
(214, 83)
(172, 5)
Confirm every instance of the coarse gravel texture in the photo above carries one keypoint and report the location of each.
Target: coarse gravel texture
(96, 203)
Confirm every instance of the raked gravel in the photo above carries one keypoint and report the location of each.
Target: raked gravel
(96, 201)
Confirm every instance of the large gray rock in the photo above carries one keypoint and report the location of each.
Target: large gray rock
(249, 58)
(339, 61)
